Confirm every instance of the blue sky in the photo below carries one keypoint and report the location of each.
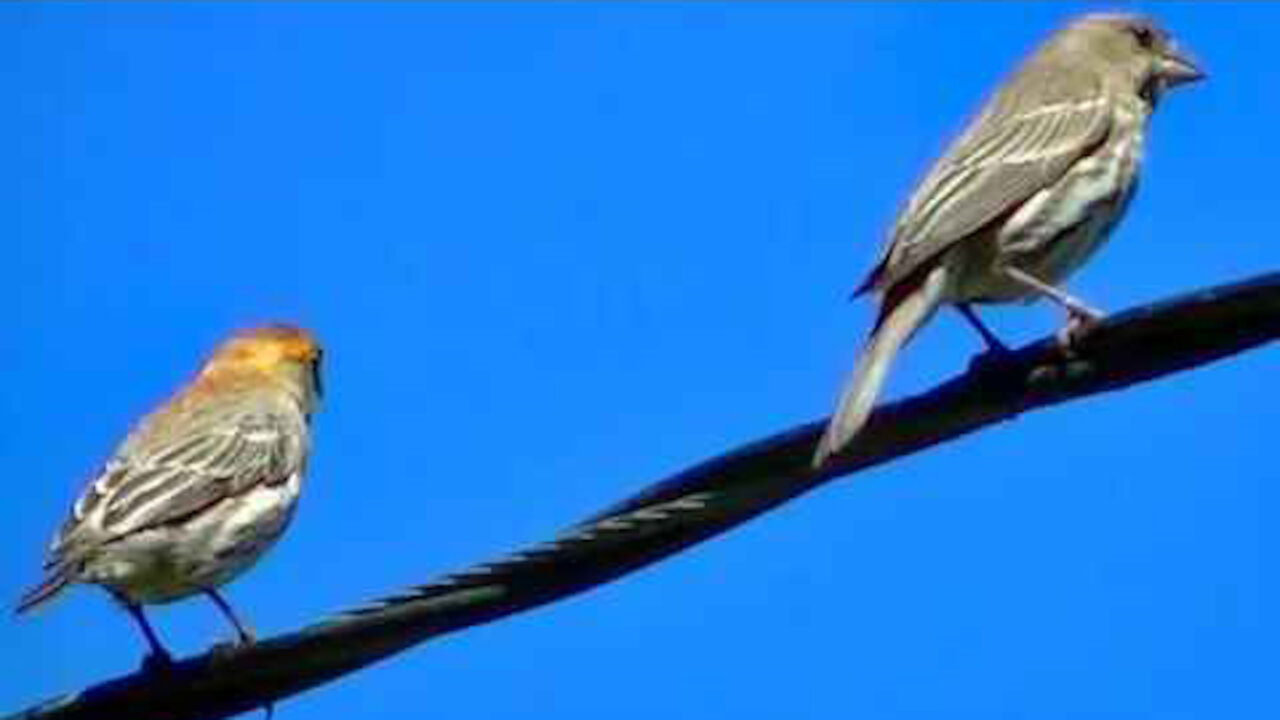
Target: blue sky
(559, 251)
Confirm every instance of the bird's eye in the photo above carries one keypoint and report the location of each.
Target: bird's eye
(1145, 36)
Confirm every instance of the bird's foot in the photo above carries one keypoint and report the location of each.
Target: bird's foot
(157, 661)
(992, 358)
(1080, 322)
(228, 648)
(224, 648)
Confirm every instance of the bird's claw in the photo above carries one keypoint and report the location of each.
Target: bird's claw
(992, 357)
(157, 661)
(224, 648)
(227, 648)
(1080, 322)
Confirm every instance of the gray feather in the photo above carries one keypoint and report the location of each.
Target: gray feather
(897, 323)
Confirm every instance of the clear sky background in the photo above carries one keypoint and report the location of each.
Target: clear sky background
(557, 252)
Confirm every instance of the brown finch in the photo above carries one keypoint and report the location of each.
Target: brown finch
(201, 487)
(1023, 197)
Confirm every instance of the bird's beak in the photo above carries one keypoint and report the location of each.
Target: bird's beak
(317, 379)
(1177, 68)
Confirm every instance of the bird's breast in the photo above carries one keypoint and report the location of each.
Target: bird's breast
(1060, 227)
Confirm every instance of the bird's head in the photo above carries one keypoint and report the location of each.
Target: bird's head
(1144, 53)
(285, 353)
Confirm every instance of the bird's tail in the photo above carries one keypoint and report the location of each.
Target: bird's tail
(902, 313)
(53, 583)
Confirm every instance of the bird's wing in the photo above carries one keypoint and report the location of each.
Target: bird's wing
(1008, 153)
(174, 479)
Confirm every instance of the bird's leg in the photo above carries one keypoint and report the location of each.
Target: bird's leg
(243, 632)
(158, 658)
(1075, 308)
(994, 344)
(1080, 317)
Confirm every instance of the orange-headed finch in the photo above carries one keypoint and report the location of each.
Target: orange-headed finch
(201, 487)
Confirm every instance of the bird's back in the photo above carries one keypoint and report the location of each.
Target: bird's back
(1046, 115)
(182, 457)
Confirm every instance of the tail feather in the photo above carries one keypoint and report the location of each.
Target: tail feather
(53, 583)
(900, 317)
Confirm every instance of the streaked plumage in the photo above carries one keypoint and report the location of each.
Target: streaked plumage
(202, 486)
(1024, 195)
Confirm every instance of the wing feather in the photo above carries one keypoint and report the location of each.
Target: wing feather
(223, 461)
(153, 484)
(1013, 149)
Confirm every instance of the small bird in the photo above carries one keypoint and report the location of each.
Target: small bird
(1023, 197)
(200, 488)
